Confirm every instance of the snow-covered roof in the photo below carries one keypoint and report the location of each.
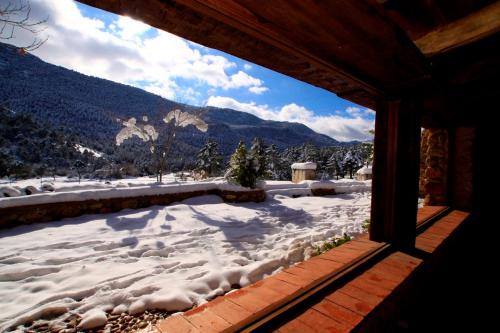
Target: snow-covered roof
(304, 166)
(365, 170)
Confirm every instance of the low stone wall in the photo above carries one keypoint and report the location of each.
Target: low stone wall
(12, 216)
(319, 192)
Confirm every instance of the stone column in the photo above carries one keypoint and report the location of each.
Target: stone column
(434, 166)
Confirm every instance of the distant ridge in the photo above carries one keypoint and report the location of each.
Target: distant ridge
(88, 108)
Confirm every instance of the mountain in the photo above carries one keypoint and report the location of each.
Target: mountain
(89, 111)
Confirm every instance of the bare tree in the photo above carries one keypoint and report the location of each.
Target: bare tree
(16, 15)
(160, 143)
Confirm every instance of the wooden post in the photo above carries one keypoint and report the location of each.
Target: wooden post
(395, 173)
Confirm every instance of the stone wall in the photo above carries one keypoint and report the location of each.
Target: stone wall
(299, 175)
(434, 166)
(13, 216)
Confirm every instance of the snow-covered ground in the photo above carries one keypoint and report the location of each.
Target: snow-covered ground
(166, 257)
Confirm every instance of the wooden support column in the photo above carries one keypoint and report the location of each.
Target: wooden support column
(395, 173)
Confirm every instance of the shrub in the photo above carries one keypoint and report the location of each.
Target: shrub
(333, 243)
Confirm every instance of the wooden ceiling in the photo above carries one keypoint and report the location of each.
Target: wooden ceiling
(361, 50)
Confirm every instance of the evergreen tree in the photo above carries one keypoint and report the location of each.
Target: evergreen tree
(209, 159)
(351, 162)
(366, 153)
(335, 163)
(79, 166)
(276, 166)
(242, 169)
(258, 157)
(309, 153)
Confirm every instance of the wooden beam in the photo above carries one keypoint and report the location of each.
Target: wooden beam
(396, 171)
(476, 26)
(335, 45)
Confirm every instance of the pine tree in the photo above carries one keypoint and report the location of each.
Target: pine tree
(209, 159)
(335, 163)
(79, 166)
(258, 157)
(276, 166)
(366, 153)
(351, 161)
(242, 170)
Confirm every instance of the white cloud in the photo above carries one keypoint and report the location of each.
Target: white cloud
(129, 51)
(338, 127)
(166, 90)
(258, 90)
(261, 111)
(130, 29)
(242, 79)
(247, 67)
(354, 111)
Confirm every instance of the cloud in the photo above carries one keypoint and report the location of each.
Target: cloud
(129, 29)
(336, 126)
(261, 111)
(247, 67)
(354, 111)
(258, 90)
(130, 52)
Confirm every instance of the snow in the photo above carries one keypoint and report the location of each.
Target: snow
(67, 192)
(82, 149)
(116, 192)
(10, 191)
(366, 170)
(167, 257)
(304, 166)
(93, 319)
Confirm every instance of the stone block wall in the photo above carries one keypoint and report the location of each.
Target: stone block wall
(299, 175)
(12, 216)
(434, 158)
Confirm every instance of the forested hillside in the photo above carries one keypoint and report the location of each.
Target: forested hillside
(90, 111)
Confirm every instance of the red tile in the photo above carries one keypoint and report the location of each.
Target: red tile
(295, 326)
(305, 273)
(360, 307)
(230, 312)
(297, 280)
(176, 324)
(206, 321)
(282, 287)
(319, 266)
(361, 294)
(343, 257)
(249, 301)
(321, 323)
(370, 287)
(339, 313)
(380, 279)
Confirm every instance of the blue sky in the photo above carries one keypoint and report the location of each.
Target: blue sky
(117, 48)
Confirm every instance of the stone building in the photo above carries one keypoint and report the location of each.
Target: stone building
(303, 171)
(365, 173)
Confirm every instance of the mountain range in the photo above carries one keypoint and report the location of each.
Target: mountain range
(92, 108)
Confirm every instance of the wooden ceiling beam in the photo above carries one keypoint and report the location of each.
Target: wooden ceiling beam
(471, 28)
(341, 46)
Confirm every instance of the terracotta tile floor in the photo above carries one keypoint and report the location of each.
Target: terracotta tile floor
(339, 311)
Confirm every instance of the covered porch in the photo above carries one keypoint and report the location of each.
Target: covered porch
(422, 64)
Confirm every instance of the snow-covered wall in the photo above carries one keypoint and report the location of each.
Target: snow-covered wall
(55, 206)
(44, 207)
